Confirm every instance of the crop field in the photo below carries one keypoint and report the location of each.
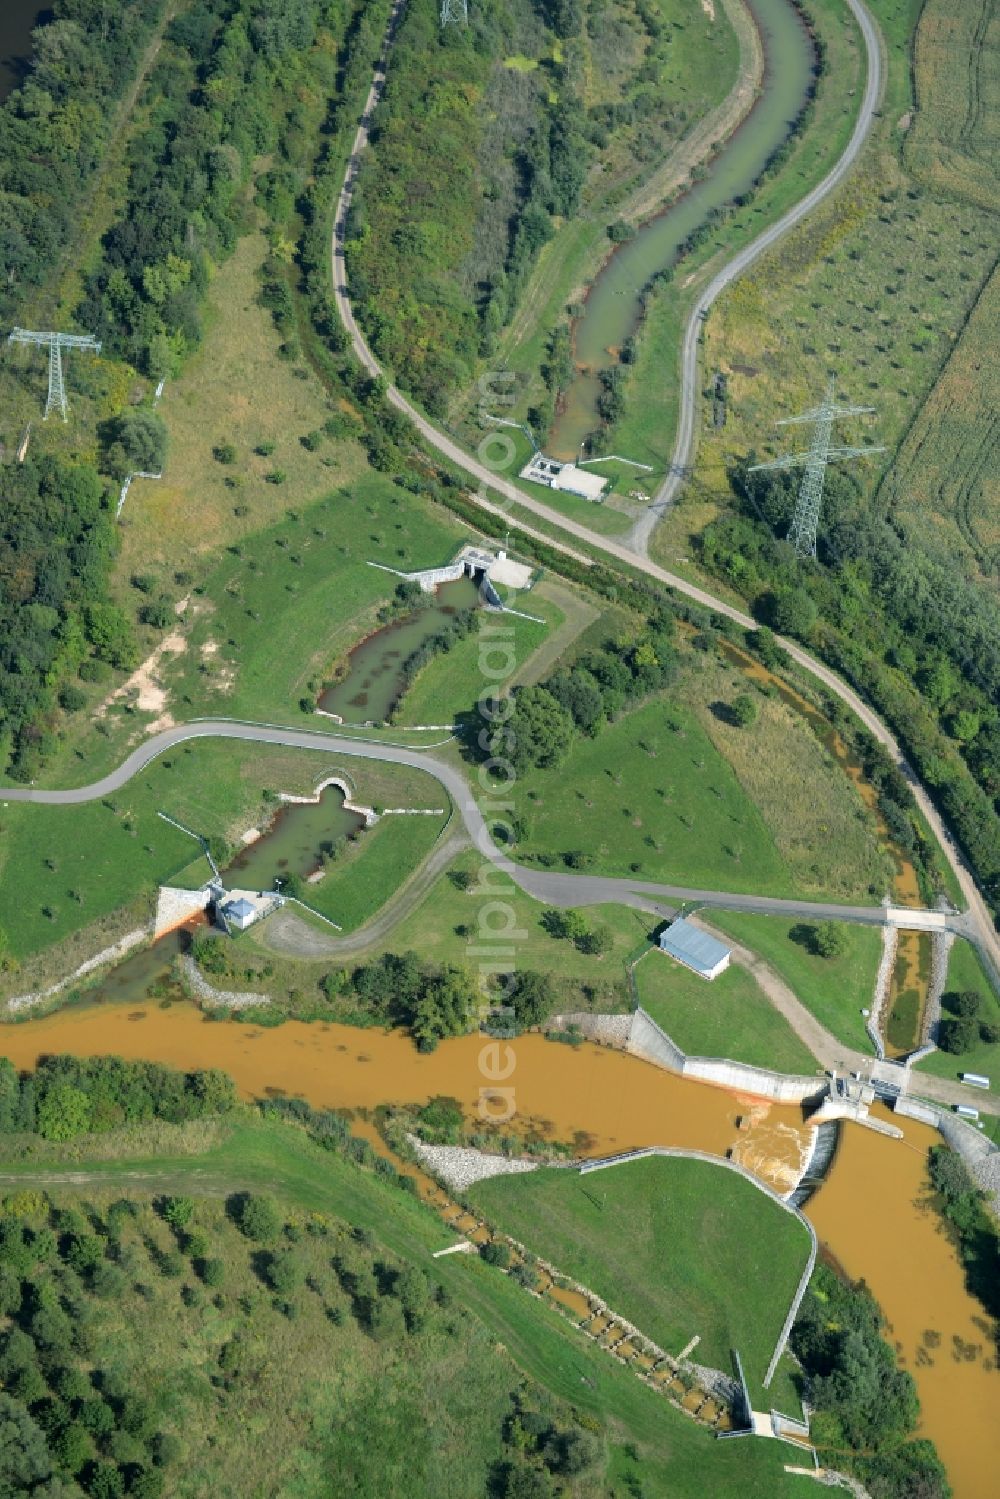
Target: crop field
(943, 487)
(730, 1017)
(707, 1252)
(966, 972)
(835, 990)
(873, 290)
(65, 869)
(955, 136)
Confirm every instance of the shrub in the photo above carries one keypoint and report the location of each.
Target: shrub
(258, 1218)
(496, 1252)
(224, 452)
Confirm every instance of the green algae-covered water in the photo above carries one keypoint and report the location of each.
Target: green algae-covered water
(613, 307)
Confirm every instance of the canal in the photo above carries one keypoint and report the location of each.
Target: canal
(374, 675)
(613, 307)
(870, 1213)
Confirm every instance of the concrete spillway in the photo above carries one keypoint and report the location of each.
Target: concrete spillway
(825, 1142)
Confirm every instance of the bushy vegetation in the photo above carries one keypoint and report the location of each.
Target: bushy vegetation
(56, 547)
(471, 160)
(54, 131)
(864, 1408)
(919, 642)
(68, 1096)
(973, 1228)
(544, 719)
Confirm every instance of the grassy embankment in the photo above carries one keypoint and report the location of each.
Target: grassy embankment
(729, 1017)
(876, 285)
(680, 1248)
(77, 877)
(966, 972)
(443, 927)
(171, 1358)
(835, 990)
(653, 796)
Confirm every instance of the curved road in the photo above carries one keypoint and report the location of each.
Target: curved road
(542, 885)
(685, 442)
(979, 924)
(555, 889)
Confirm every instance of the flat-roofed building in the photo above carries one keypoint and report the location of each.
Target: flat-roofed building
(694, 948)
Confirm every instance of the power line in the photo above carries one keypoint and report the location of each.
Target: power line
(55, 342)
(805, 520)
(454, 10)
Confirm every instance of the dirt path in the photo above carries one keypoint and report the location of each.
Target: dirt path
(578, 615)
(293, 937)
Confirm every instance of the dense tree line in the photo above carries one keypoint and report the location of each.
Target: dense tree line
(67, 1096)
(972, 1226)
(543, 720)
(921, 643)
(55, 128)
(244, 78)
(864, 1408)
(57, 541)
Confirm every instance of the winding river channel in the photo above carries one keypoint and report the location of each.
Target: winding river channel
(869, 1213)
(613, 306)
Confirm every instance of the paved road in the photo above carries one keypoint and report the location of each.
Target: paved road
(544, 885)
(979, 925)
(685, 442)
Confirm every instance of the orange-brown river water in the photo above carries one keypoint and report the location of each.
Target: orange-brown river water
(867, 1213)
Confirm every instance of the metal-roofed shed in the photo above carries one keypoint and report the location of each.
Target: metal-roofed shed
(694, 948)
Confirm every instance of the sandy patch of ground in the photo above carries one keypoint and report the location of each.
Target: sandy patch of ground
(708, 6)
(226, 675)
(144, 687)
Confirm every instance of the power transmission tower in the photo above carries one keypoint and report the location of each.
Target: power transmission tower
(802, 532)
(55, 342)
(452, 10)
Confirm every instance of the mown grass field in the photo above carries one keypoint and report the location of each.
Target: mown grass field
(730, 1016)
(506, 1335)
(673, 792)
(966, 972)
(64, 870)
(447, 924)
(835, 990)
(678, 1247)
(651, 796)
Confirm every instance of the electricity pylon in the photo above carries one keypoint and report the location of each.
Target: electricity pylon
(802, 532)
(56, 342)
(451, 10)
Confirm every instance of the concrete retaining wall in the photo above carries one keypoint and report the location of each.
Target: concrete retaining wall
(648, 1040)
(882, 980)
(941, 943)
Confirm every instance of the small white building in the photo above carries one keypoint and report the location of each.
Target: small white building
(567, 477)
(239, 914)
(694, 948)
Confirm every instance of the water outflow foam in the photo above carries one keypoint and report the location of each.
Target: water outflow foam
(826, 1138)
